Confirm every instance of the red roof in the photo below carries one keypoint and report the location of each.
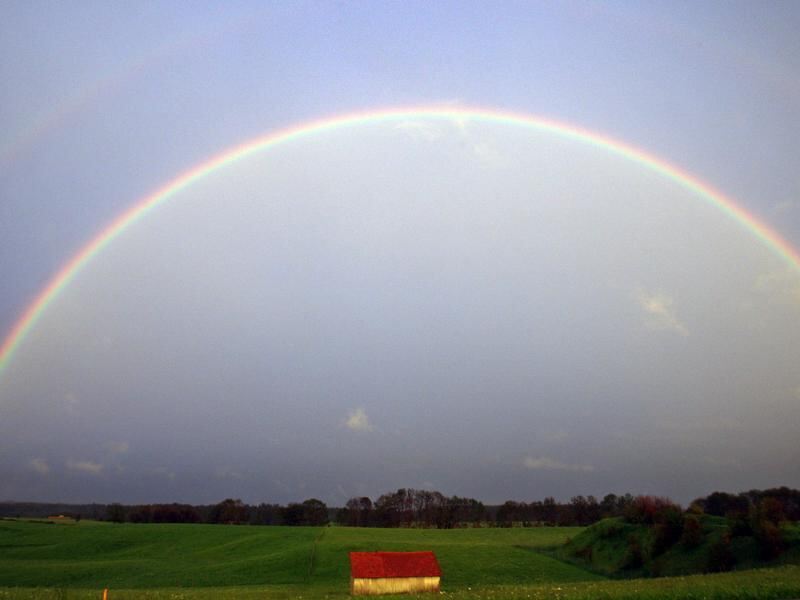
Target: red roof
(371, 565)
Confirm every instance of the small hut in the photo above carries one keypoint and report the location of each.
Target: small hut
(393, 573)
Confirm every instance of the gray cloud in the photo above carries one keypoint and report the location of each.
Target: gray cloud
(118, 447)
(40, 466)
(544, 463)
(84, 466)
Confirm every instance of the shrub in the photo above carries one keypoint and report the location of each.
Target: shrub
(740, 525)
(656, 568)
(585, 553)
(668, 527)
(771, 509)
(721, 503)
(764, 523)
(650, 509)
(695, 508)
(692, 532)
(720, 557)
(610, 530)
(770, 539)
(666, 536)
(634, 557)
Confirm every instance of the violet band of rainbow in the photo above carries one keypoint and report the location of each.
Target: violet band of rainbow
(140, 209)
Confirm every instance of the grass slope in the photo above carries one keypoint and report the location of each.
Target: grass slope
(604, 548)
(109, 555)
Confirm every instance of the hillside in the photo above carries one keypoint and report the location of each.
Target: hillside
(616, 548)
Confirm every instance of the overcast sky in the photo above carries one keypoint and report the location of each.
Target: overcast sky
(474, 307)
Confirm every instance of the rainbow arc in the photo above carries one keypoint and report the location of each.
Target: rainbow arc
(144, 206)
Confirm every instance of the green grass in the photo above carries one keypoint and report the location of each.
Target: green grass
(98, 555)
(201, 562)
(145, 556)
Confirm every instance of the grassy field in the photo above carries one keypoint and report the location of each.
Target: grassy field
(39, 560)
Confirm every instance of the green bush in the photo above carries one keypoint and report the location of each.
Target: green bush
(770, 539)
(720, 556)
(634, 556)
(610, 530)
(667, 529)
(692, 535)
(650, 509)
(740, 525)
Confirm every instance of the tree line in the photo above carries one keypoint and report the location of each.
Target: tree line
(311, 512)
(408, 507)
(722, 504)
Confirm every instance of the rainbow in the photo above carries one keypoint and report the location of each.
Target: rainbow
(143, 207)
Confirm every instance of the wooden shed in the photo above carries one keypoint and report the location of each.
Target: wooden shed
(393, 573)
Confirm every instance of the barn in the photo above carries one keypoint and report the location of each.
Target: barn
(393, 573)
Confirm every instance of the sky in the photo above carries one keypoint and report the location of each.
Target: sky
(446, 301)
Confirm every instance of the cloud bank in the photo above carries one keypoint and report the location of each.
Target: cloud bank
(548, 464)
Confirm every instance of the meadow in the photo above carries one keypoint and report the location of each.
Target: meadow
(160, 561)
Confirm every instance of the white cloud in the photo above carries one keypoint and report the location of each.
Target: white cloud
(486, 154)
(420, 130)
(118, 447)
(40, 466)
(358, 421)
(544, 463)
(660, 314)
(85, 466)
